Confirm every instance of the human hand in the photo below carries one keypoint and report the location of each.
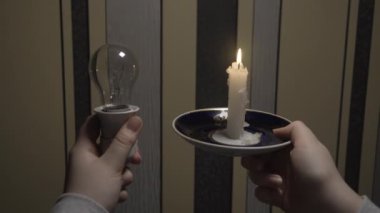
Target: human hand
(105, 177)
(302, 178)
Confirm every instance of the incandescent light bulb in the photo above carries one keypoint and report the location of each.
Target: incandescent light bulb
(114, 71)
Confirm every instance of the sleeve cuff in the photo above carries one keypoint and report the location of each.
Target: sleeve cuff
(77, 203)
(368, 206)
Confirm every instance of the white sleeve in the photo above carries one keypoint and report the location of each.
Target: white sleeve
(368, 206)
(77, 203)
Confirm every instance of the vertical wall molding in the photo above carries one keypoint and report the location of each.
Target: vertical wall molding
(68, 73)
(80, 30)
(265, 57)
(358, 92)
(369, 164)
(216, 49)
(137, 26)
(347, 74)
(375, 66)
(344, 71)
(376, 183)
(97, 31)
(179, 65)
(244, 41)
(63, 64)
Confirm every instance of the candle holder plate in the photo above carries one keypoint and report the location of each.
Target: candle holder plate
(197, 127)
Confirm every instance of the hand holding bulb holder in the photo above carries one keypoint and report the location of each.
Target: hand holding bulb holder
(114, 71)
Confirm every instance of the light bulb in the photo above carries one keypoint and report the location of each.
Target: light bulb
(114, 71)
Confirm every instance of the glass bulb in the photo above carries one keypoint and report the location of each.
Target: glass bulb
(114, 71)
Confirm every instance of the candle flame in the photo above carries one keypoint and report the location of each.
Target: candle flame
(238, 56)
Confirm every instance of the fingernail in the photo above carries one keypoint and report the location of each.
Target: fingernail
(134, 123)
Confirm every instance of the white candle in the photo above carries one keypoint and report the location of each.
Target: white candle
(237, 97)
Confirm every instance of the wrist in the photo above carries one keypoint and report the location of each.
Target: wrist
(97, 198)
(79, 202)
(339, 197)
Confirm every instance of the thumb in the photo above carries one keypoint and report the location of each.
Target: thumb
(297, 132)
(117, 152)
(284, 133)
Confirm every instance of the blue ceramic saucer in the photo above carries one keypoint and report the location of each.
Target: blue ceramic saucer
(197, 127)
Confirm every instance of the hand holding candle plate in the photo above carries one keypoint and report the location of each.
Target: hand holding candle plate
(198, 127)
(234, 130)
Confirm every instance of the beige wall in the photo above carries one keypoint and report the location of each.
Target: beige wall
(310, 77)
(310, 80)
(32, 127)
(179, 49)
(32, 111)
(310, 83)
(311, 65)
(97, 25)
(179, 54)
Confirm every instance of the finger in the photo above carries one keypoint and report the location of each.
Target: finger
(284, 133)
(123, 196)
(265, 179)
(270, 196)
(255, 163)
(136, 158)
(297, 132)
(117, 152)
(127, 177)
(252, 163)
(88, 134)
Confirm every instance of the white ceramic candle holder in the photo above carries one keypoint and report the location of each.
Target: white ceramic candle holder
(204, 129)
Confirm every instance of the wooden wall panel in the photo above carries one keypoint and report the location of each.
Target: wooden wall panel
(137, 26)
(216, 49)
(349, 54)
(179, 42)
(376, 182)
(32, 113)
(375, 82)
(315, 65)
(81, 56)
(359, 92)
(67, 61)
(311, 65)
(97, 30)
(372, 110)
(314, 77)
(244, 41)
(264, 71)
